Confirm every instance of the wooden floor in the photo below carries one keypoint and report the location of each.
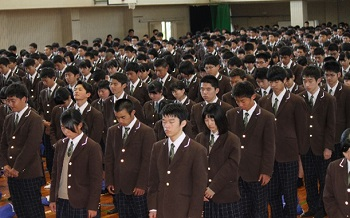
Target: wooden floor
(106, 200)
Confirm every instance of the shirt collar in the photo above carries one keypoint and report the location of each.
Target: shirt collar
(53, 87)
(291, 88)
(315, 94)
(333, 88)
(22, 112)
(161, 99)
(120, 97)
(214, 101)
(177, 142)
(131, 125)
(190, 79)
(75, 141)
(267, 90)
(251, 110)
(135, 84)
(82, 108)
(165, 78)
(280, 96)
(288, 65)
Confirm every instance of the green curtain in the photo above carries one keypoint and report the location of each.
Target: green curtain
(220, 16)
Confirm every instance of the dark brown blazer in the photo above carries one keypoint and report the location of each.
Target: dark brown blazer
(297, 89)
(257, 142)
(223, 162)
(84, 173)
(98, 104)
(188, 104)
(4, 111)
(140, 92)
(55, 125)
(321, 123)
(160, 134)
(193, 89)
(224, 86)
(297, 70)
(336, 190)
(197, 122)
(108, 108)
(342, 94)
(170, 80)
(46, 104)
(94, 120)
(291, 126)
(127, 165)
(176, 189)
(34, 89)
(259, 92)
(228, 98)
(20, 145)
(151, 115)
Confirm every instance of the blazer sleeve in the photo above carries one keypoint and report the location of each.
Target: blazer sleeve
(300, 114)
(53, 190)
(53, 129)
(95, 175)
(109, 157)
(97, 127)
(269, 144)
(153, 181)
(4, 145)
(330, 124)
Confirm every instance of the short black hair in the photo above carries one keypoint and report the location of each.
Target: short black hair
(187, 68)
(160, 62)
(120, 77)
(132, 66)
(57, 59)
(261, 73)
(319, 51)
(285, 51)
(276, 73)
(249, 59)
(312, 71)
(29, 62)
(178, 85)
(85, 64)
(122, 104)
(215, 111)
(345, 140)
(238, 72)
(175, 110)
(71, 118)
(4, 61)
(332, 66)
(16, 90)
(243, 89)
(347, 76)
(212, 60)
(212, 80)
(103, 84)
(34, 45)
(235, 61)
(155, 87)
(72, 69)
(86, 86)
(62, 94)
(47, 72)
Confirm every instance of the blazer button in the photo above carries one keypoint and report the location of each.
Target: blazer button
(168, 172)
(346, 203)
(12, 147)
(208, 168)
(48, 105)
(123, 150)
(32, 96)
(310, 126)
(153, 115)
(310, 136)
(242, 147)
(275, 119)
(311, 117)
(13, 137)
(122, 160)
(167, 184)
(243, 136)
(209, 180)
(348, 189)
(69, 186)
(69, 175)
(10, 157)
(114, 121)
(32, 90)
(47, 112)
(70, 163)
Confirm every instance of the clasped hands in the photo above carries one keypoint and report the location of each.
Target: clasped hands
(10, 172)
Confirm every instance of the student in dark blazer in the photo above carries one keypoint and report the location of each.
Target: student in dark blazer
(4, 109)
(152, 108)
(291, 86)
(46, 104)
(286, 54)
(91, 116)
(336, 190)
(77, 172)
(20, 153)
(178, 90)
(209, 87)
(136, 87)
(191, 80)
(316, 155)
(290, 115)
(224, 154)
(178, 170)
(161, 69)
(128, 151)
(261, 79)
(342, 95)
(64, 101)
(256, 129)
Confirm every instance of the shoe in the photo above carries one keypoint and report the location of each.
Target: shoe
(47, 186)
(320, 214)
(104, 192)
(113, 211)
(300, 182)
(308, 214)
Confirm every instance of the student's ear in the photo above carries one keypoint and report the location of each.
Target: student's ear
(183, 123)
(88, 94)
(217, 90)
(124, 86)
(253, 97)
(319, 80)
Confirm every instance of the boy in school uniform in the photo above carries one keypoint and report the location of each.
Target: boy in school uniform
(316, 155)
(136, 87)
(256, 129)
(178, 170)
(71, 76)
(290, 115)
(127, 159)
(191, 80)
(161, 68)
(20, 154)
(261, 79)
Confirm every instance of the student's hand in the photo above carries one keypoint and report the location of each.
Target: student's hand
(327, 153)
(152, 214)
(53, 206)
(138, 192)
(110, 189)
(14, 173)
(46, 123)
(205, 199)
(92, 213)
(264, 179)
(209, 193)
(7, 169)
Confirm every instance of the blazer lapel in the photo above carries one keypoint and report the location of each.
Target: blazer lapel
(319, 100)
(283, 102)
(179, 153)
(86, 111)
(133, 132)
(79, 147)
(218, 143)
(253, 118)
(22, 120)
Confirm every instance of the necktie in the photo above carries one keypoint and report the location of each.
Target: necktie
(60, 73)
(126, 134)
(275, 106)
(330, 91)
(156, 107)
(49, 93)
(70, 149)
(245, 119)
(211, 142)
(16, 119)
(172, 152)
(132, 89)
(187, 83)
(311, 101)
(348, 178)
(31, 79)
(84, 80)
(265, 93)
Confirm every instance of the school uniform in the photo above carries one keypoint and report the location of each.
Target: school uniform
(55, 125)
(76, 179)
(321, 134)
(336, 191)
(139, 92)
(224, 86)
(19, 72)
(290, 138)
(152, 111)
(20, 149)
(262, 93)
(296, 69)
(127, 165)
(160, 134)
(34, 86)
(188, 103)
(166, 83)
(177, 186)
(4, 111)
(192, 88)
(257, 156)
(223, 161)
(296, 89)
(197, 122)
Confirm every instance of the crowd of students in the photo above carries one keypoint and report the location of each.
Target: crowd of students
(213, 124)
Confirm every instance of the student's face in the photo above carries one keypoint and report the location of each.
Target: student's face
(208, 92)
(85, 70)
(245, 103)
(289, 82)
(143, 74)
(161, 71)
(70, 134)
(347, 82)
(322, 38)
(319, 59)
(285, 59)
(331, 78)
(277, 86)
(103, 93)
(80, 93)
(263, 83)
(260, 63)
(31, 49)
(47, 51)
(71, 78)
(116, 87)
(155, 96)
(300, 52)
(129, 54)
(169, 47)
(311, 84)
(81, 52)
(212, 69)
(234, 80)
(16, 104)
(124, 118)
(346, 39)
(172, 126)
(178, 93)
(210, 123)
(241, 56)
(49, 82)
(73, 50)
(112, 70)
(334, 54)
(67, 58)
(3, 69)
(132, 76)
